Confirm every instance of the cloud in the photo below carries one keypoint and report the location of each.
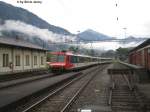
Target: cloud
(45, 34)
(32, 31)
(110, 45)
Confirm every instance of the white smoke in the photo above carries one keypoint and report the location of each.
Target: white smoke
(11, 25)
(104, 46)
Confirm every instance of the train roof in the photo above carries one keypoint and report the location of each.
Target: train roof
(80, 55)
(69, 53)
(142, 45)
(19, 43)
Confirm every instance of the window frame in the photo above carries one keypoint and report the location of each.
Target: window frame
(27, 60)
(42, 60)
(5, 60)
(17, 60)
(35, 60)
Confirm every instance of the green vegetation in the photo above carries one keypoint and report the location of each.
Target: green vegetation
(74, 49)
(109, 54)
(122, 53)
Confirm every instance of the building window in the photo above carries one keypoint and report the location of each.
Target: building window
(5, 60)
(17, 60)
(42, 61)
(35, 60)
(27, 60)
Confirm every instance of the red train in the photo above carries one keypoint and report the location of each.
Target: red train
(69, 61)
(140, 55)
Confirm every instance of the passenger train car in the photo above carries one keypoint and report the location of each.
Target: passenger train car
(69, 61)
(140, 55)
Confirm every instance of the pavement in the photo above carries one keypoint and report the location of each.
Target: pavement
(6, 84)
(15, 93)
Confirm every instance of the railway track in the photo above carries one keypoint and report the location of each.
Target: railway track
(16, 96)
(94, 98)
(22, 104)
(62, 98)
(124, 96)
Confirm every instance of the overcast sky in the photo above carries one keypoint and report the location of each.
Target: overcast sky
(99, 15)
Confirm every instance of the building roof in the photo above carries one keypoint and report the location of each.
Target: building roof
(19, 43)
(144, 44)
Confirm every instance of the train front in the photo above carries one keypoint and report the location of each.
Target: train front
(58, 61)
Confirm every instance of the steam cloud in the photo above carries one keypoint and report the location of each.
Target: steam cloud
(11, 25)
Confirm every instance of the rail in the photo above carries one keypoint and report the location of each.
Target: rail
(77, 94)
(127, 75)
(115, 72)
(110, 94)
(54, 92)
(128, 82)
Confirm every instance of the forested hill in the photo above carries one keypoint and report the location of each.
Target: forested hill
(9, 12)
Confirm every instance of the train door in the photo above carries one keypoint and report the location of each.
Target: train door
(68, 64)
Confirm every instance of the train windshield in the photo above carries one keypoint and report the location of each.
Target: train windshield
(57, 58)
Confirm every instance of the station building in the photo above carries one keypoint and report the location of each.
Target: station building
(140, 55)
(20, 56)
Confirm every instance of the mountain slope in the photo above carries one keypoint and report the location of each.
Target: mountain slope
(9, 12)
(91, 35)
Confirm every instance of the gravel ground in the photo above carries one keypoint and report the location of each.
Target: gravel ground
(95, 95)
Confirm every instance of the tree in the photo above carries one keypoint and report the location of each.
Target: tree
(122, 53)
(74, 49)
(109, 54)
